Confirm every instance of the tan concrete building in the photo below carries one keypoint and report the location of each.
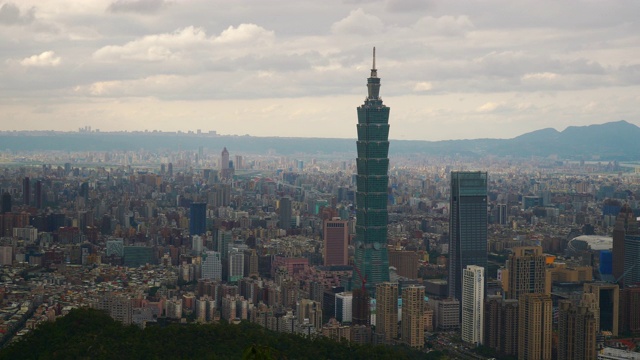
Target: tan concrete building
(534, 326)
(576, 331)
(405, 262)
(607, 299)
(526, 266)
(387, 310)
(412, 324)
(501, 324)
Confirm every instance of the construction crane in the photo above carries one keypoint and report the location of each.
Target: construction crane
(363, 280)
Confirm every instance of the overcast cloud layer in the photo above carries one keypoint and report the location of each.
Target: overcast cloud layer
(449, 69)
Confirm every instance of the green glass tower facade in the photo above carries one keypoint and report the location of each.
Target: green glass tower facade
(371, 256)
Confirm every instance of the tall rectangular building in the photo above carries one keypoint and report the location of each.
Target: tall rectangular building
(212, 265)
(236, 265)
(535, 328)
(467, 226)
(631, 264)
(626, 224)
(576, 331)
(526, 266)
(285, 213)
(607, 299)
(630, 310)
(387, 310)
(336, 237)
(372, 181)
(501, 325)
(473, 304)
(198, 218)
(412, 323)
(344, 307)
(26, 191)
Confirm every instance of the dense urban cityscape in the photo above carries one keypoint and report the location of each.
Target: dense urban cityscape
(475, 258)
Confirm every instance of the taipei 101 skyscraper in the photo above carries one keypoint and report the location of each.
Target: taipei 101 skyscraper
(371, 259)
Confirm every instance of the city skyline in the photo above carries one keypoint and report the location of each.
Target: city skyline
(455, 70)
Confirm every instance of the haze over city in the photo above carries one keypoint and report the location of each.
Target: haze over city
(451, 70)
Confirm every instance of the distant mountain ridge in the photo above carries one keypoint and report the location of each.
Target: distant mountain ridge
(617, 140)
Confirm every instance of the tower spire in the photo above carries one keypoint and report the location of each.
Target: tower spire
(374, 58)
(374, 71)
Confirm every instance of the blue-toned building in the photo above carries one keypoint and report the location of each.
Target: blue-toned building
(198, 218)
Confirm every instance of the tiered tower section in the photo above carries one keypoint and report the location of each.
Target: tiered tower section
(371, 256)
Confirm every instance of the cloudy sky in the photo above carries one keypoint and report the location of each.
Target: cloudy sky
(449, 69)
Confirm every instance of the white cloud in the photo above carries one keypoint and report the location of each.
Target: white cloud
(488, 107)
(358, 22)
(154, 47)
(423, 86)
(148, 86)
(45, 59)
(244, 33)
(540, 76)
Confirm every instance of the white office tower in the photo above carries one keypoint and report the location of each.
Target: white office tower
(343, 306)
(473, 304)
(236, 265)
(196, 244)
(211, 265)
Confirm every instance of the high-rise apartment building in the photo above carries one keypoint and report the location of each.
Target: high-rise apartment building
(6, 203)
(630, 310)
(251, 263)
(412, 324)
(336, 237)
(344, 307)
(535, 314)
(361, 312)
(467, 226)
(372, 181)
(26, 191)
(387, 310)
(311, 311)
(198, 218)
(526, 271)
(473, 304)
(501, 324)
(576, 331)
(607, 301)
(626, 224)
(285, 213)
(38, 194)
(224, 160)
(502, 214)
(236, 265)
(212, 265)
(631, 264)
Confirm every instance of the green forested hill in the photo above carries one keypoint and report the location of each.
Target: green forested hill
(91, 334)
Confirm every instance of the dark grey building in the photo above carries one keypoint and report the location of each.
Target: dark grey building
(285, 213)
(467, 226)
